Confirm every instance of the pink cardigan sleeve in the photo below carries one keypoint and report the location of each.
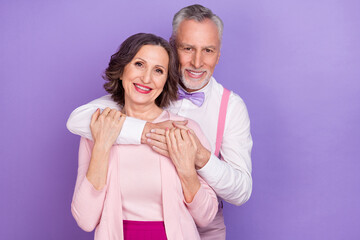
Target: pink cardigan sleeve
(204, 206)
(87, 203)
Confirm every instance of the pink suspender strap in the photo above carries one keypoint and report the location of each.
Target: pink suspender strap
(221, 121)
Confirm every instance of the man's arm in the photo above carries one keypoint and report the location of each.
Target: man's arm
(79, 121)
(230, 177)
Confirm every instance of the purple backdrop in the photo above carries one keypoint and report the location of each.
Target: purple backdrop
(295, 63)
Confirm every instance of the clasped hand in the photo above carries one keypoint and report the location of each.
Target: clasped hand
(179, 143)
(182, 149)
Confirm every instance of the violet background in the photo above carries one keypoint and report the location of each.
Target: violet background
(295, 63)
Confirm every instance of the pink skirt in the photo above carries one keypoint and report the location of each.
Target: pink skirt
(139, 230)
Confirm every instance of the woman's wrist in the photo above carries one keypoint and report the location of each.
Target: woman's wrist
(190, 184)
(101, 148)
(98, 167)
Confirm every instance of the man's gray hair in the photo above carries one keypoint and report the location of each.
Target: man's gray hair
(198, 13)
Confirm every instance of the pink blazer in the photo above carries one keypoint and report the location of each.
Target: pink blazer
(102, 209)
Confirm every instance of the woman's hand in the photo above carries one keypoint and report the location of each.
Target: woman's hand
(182, 150)
(154, 135)
(106, 127)
(157, 140)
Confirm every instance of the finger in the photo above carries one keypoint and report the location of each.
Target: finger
(173, 140)
(161, 145)
(168, 141)
(185, 135)
(178, 135)
(158, 131)
(156, 137)
(105, 112)
(161, 151)
(192, 137)
(122, 119)
(95, 116)
(112, 113)
(181, 127)
(180, 123)
(117, 115)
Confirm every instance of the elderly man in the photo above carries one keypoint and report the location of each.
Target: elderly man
(222, 114)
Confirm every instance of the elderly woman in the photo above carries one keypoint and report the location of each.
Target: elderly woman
(130, 191)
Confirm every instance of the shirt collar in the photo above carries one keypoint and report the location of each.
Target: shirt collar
(206, 89)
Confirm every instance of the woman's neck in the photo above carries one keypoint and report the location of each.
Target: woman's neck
(144, 112)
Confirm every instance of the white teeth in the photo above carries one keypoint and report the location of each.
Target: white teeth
(143, 88)
(196, 73)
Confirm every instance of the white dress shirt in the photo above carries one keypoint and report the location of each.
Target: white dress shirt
(230, 178)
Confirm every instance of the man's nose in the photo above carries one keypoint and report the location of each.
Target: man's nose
(197, 60)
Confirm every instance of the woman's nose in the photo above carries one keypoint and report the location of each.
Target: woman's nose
(146, 78)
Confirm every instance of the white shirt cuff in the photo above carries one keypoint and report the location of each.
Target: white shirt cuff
(211, 169)
(131, 131)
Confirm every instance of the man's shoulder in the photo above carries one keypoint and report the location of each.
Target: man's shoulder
(234, 98)
(105, 101)
(105, 98)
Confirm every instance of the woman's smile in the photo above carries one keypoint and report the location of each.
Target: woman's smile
(142, 89)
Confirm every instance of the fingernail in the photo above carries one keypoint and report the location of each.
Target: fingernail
(167, 129)
(148, 140)
(148, 134)
(152, 130)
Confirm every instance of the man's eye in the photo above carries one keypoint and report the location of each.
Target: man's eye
(187, 49)
(208, 50)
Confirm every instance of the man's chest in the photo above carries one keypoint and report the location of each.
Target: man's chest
(206, 116)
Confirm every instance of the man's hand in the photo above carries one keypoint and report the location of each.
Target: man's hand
(154, 135)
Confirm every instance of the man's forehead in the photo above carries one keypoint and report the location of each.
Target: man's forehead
(185, 44)
(200, 34)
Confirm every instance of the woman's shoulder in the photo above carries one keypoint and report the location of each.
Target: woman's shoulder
(175, 117)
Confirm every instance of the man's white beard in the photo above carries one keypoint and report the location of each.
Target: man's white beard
(193, 85)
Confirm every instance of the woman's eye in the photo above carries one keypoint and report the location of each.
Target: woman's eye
(159, 71)
(139, 64)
